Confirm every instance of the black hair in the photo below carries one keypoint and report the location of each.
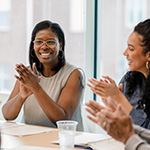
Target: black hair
(143, 29)
(61, 37)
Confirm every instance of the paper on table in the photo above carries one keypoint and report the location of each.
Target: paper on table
(106, 144)
(26, 130)
(85, 138)
(32, 148)
(90, 137)
(6, 124)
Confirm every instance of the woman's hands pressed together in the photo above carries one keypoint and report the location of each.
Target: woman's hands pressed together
(28, 79)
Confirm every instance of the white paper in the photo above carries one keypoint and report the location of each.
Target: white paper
(26, 130)
(6, 124)
(32, 148)
(86, 138)
(107, 144)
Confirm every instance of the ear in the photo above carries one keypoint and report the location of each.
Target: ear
(61, 45)
(148, 56)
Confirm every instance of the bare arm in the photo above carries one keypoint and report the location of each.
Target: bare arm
(68, 101)
(69, 98)
(14, 103)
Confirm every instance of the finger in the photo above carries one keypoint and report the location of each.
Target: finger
(101, 80)
(107, 115)
(89, 85)
(34, 68)
(19, 78)
(106, 81)
(92, 109)
(96, 105)
(92, 119)
(120, 87)
(109, 79)
(104, 100)
(22, 70)
(93, 81)
(121, 110)
(100, 120)
(98, 91)
(39, 77)
(91, 112)
(111, 104)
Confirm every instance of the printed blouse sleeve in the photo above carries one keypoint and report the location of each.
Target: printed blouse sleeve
(138, 117)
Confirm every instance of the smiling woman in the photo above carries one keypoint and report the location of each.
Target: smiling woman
(47, 47)
(51, 89)
(135, 84)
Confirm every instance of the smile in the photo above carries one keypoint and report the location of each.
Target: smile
(45, 55)
(129, 62)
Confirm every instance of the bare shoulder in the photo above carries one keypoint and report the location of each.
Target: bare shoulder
(78, 76)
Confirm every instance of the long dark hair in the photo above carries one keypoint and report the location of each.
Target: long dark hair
(143, 29)
(59, 33)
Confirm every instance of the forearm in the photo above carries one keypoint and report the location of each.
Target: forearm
(121, 99)
(12, 107)
(52, 109)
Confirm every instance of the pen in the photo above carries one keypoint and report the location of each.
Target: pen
(78, 146)
(82, 146)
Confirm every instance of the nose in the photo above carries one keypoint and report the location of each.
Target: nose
(44, 45)
(125, 52)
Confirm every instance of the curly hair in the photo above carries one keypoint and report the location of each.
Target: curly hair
(143, 29)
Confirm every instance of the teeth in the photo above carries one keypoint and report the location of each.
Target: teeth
(45, 54)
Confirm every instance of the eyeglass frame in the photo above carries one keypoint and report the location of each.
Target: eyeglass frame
(45, 42)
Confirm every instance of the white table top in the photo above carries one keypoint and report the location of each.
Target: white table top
(29, 137)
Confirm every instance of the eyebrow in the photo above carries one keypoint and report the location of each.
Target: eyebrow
(130, 45)
(46, 40)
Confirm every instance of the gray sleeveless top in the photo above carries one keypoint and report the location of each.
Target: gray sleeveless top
(33, 113)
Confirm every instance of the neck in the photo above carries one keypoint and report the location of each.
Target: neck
(48, 69)
(145, 73)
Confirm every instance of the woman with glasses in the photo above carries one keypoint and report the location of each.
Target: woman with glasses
(135, 85)
(50, 89)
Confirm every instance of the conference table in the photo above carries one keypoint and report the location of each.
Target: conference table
(18, 136)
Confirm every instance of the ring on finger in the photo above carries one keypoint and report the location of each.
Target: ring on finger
(104, 124)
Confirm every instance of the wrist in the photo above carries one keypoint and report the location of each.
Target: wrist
(23, 98)
(35, 88)
(127, 137)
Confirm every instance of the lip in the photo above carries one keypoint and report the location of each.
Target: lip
(45, 54)
(129, 62)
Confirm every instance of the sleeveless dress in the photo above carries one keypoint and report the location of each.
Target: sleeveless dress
(33, 113)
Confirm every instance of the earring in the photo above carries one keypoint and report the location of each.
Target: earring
(33, 53)
(61, 55)
(147, 65)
